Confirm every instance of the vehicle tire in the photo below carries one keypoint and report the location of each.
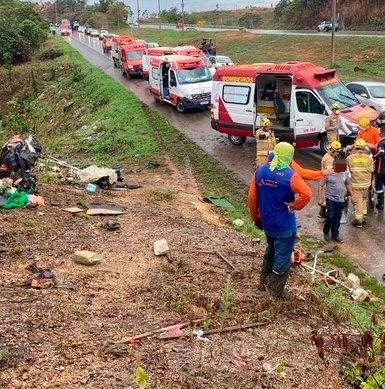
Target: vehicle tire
(324, 144)
(237, 140)
(180, 107)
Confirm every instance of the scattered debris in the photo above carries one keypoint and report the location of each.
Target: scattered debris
(112, 225)
(268, 367)
(173, 330)
(42, 277)
(238, 363)
(229, 263)
(105, 209)
(216, 331)
(36, 201)
(92, 188)
(238, 223)
(73, 210)
(87, 258)
(161, 247)
(92, 174)
(353, 281)
(220, 202)
(199, 335)
(128, 185)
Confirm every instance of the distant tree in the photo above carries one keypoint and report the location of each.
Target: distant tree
(118, 13)
(217, 6)
(280, 8)
(145, 14)
(170, 16)
(250, 20)
(103, 5)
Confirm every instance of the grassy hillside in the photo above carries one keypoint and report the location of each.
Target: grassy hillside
(244, 48)
(232, 17)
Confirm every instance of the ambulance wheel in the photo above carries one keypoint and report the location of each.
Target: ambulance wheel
(324, 144)
(237, 140)
(180, 107)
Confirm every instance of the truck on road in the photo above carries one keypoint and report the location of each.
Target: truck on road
(181, 81)
(295, 96)
(127, 55)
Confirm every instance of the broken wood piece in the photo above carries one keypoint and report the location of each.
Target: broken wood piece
(217, 330)
(158, 331)
(73, 210)
(220, 255)
(105, 209)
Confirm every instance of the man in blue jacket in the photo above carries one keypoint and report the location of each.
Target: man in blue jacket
(276, 192)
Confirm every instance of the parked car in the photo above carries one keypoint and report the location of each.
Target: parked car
(87, 30)
(102, 34)
(75, 25)
(371, 93)
(94, 32)
(151, 45)
(327, 25)
(81, 29)
(220, 60)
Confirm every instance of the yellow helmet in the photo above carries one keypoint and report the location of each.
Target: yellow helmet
(364, 122)
(336, 145)
(265, 122)
(359, 143)
(335, 106)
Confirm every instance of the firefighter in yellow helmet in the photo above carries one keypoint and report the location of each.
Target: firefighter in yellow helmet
(333, 123)
(327, 164)
(361, 166)
(335, 150)
(265, 142)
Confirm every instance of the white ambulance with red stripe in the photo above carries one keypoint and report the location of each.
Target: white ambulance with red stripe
(295, 96)
(181, 81)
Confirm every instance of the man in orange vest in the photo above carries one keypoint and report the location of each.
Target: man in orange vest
(371, 135)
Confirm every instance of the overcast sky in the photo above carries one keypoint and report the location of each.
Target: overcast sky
(196, 5)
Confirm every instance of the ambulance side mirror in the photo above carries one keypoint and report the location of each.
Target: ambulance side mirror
(323, 109)
(172, 83)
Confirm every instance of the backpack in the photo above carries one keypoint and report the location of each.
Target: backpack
(17, 154)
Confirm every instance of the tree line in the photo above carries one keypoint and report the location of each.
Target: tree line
(368, 14)
(21, 31)
(101, 14)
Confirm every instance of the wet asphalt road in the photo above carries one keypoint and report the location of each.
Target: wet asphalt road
(367, 34)
(366, 246)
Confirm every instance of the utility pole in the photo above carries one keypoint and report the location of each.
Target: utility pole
(182, 15)
(137, 5)
(55, 11)
(334, 23)
(160, 21)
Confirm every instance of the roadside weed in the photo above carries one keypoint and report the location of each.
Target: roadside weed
(225, 301)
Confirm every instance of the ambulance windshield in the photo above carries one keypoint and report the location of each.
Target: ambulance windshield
(337, 92)
(191, 76)
(137, 54)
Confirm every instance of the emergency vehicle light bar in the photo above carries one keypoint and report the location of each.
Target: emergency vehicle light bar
(324, 73)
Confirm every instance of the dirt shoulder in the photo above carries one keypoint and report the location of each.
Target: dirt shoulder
(62, 338)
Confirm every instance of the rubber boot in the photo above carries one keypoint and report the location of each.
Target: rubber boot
(277, 284)
(266, 271)
(380, 201)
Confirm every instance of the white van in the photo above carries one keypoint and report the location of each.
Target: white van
(181, 81)
(295, 96)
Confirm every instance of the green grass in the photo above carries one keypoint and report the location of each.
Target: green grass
(352, 53)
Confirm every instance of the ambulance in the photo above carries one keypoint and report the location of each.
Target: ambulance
(181, 81)
(153, 52)
(295, 96)
(190, 51)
